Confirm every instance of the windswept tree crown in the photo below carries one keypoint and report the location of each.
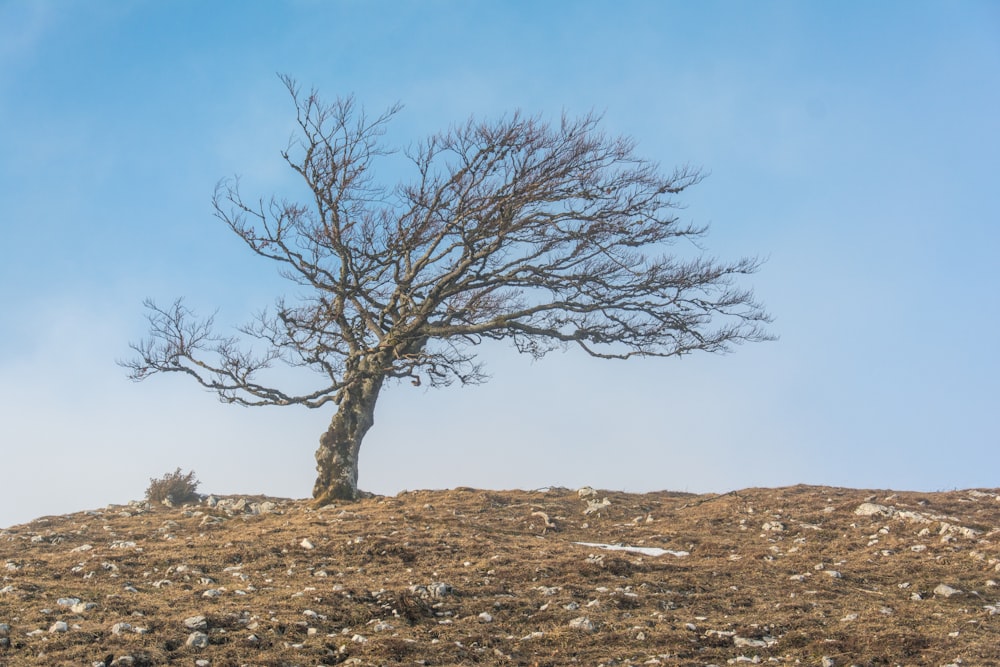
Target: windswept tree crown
(544, 234)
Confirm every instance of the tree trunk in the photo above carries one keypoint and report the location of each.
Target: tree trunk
(337, 456)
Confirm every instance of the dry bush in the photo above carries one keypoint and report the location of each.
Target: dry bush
(173, 488)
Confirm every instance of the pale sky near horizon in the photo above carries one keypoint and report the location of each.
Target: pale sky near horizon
(855, 145)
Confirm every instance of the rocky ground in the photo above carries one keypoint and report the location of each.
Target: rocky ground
(800, 575)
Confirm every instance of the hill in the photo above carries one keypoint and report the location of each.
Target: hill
(799, 575)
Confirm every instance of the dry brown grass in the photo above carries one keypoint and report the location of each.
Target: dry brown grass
(306, 606)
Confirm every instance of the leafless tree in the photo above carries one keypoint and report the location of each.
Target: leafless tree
(547, 235)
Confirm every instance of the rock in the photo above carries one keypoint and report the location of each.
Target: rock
(873, 509)
(4, 630)
(59, 626)
(586, 492)
(211, 593)
(773, 526)
(195, 623)
(835, 574)
(306, 544)
(439, 589)
(827, 661)
(119, 628)
(596, 506)
(582, 623)
(67, 602)
(945, 591)
(486, 617)
(197, 640)
(81, 607)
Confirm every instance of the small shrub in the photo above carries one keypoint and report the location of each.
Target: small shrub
(174, 488)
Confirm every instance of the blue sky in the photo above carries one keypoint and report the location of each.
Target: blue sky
(856, 145)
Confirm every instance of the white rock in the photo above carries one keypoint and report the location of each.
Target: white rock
(306, 544)
(211, 593)
(195, 623)
(119, 628)
(873, 509)
(582, 623)
(744, 642)
(82, 607)
(945, 591)
(596, 506)
(439, 589)
(486, 617)
(835, 574)
(586, 492)
(67, 602)
(59, 626)
(774, 526)
(197, 640)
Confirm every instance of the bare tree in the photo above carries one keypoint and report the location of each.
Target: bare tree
(548, 235)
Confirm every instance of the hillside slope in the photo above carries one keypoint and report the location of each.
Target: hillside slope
(799, 575)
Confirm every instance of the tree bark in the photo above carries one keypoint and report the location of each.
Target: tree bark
(337, 456)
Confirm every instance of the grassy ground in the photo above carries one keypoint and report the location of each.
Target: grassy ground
(779, 576)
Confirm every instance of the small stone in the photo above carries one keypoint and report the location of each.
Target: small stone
(582, 623)
(439, 589)
(119, 628)
(195, 623)
(211, 593)
(873, 509)
(586, 492)
(833, 573)
(4, 630)
(827, 661)
(67, 602)
(945, 591)
(486, 617)
(773, 526)
(306, 544)
(202, 663)
(81, 607)
(59, 626)
(197, 640)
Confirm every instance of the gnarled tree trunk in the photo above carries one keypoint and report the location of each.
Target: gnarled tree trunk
(337, 456)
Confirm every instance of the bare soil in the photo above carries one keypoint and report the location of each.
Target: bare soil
(780, 576)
